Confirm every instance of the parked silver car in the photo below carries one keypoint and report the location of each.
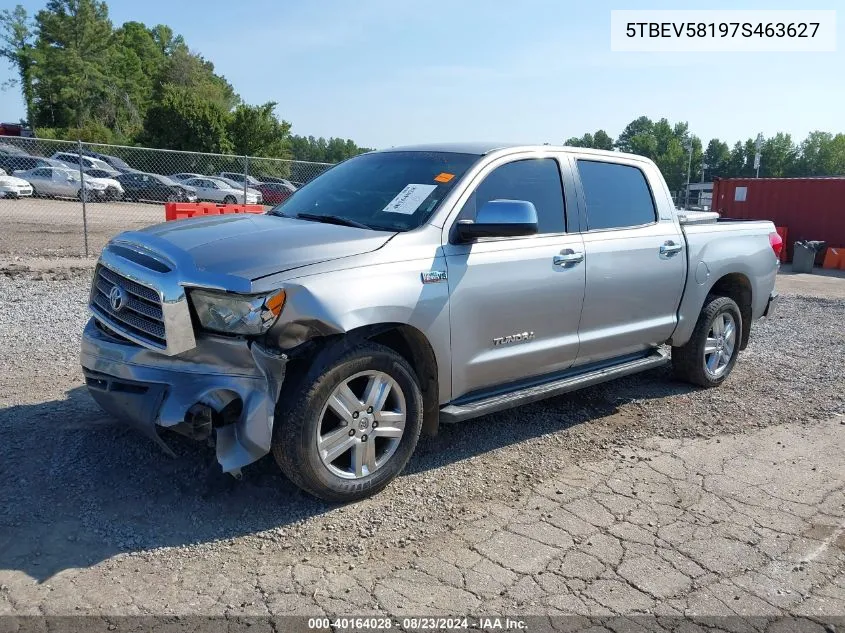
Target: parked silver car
(61, 182)
(250, 191)
(413, 286)
(72, 159)
(218, 190)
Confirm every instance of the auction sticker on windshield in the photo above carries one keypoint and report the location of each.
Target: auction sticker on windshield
(409, 199)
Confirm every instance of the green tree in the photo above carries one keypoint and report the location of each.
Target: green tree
(584, 141)
(777, 156)
(16, 46)
(599, 140)
(321, 150)
(717, 157)
(602, 140)
(72, 56)
(190, 70)
(641, 127)
(184, 120)
(821, 154)
(255, 131)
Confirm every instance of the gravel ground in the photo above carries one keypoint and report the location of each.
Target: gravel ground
(94, 519)
(39, 227)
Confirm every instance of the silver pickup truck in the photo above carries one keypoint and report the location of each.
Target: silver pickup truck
(411, 287)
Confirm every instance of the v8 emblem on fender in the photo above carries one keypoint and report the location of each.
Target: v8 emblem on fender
(433, 277)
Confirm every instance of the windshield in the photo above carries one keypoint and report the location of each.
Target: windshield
(392, 191)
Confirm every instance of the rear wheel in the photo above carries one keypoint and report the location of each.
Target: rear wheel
(710, 354)
(349, 427)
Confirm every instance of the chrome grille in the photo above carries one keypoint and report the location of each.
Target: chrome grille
(140, 318)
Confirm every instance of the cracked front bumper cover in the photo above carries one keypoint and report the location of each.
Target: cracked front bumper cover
(149, 390)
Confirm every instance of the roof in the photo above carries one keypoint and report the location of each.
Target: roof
(481, 148)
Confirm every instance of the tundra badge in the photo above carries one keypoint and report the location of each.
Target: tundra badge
(522, 337)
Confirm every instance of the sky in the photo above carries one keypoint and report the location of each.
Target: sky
(395, 72)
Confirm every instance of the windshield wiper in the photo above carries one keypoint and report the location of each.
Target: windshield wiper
(332, 219)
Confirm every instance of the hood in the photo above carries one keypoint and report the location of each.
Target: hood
(12, 180)
(109, 182)
(253, 246)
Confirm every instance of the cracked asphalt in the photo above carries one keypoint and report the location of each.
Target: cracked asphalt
(638, 497)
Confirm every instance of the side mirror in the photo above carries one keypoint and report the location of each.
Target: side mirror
(500, 218)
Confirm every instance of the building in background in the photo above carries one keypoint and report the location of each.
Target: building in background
(701, 195)
(15, 129)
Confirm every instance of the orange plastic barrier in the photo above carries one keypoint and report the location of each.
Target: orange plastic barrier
(183, 210)
(783, 231)
(833, 257)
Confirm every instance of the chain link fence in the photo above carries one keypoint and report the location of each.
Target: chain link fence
(68, 198)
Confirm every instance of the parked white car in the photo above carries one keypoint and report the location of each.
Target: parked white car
(114, 190)
(218, 190)
(12, 187)
(259, 197)
(73, 160)
(60, 182)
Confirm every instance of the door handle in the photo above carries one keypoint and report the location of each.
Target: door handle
(669, 248)
(567, 256)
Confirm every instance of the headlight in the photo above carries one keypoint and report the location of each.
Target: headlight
(237, 314)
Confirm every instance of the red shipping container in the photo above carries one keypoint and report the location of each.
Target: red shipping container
(812, 208)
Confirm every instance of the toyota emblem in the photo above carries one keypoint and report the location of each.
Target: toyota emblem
(117, 298)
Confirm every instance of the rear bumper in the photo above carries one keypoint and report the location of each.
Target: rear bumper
(148, 390)
(772, 305)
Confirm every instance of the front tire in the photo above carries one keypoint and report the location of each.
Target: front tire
(349, 426)
(229, 200)
(708, 358)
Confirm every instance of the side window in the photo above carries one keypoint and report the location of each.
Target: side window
(536, 180)
(616, 195)
(42, 172)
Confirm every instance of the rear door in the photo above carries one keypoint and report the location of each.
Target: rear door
(60, 185)
(635, 259)
(42, 180)
(514, 304)
(131, 184)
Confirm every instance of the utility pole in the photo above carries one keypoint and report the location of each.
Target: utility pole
(758, 144)
(689, 171)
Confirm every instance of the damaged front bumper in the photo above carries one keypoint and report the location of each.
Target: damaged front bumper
(224, 386)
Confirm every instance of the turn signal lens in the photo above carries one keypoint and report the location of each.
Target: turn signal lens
(275, 302)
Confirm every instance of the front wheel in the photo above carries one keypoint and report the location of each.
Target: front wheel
(710, 354)
(229, 200)
(350, 425)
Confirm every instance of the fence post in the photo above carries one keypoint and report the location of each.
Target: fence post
(246, 175)
(83, 194)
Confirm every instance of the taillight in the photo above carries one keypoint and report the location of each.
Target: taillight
(776, 242)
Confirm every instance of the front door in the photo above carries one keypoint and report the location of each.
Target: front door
(514, 302)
